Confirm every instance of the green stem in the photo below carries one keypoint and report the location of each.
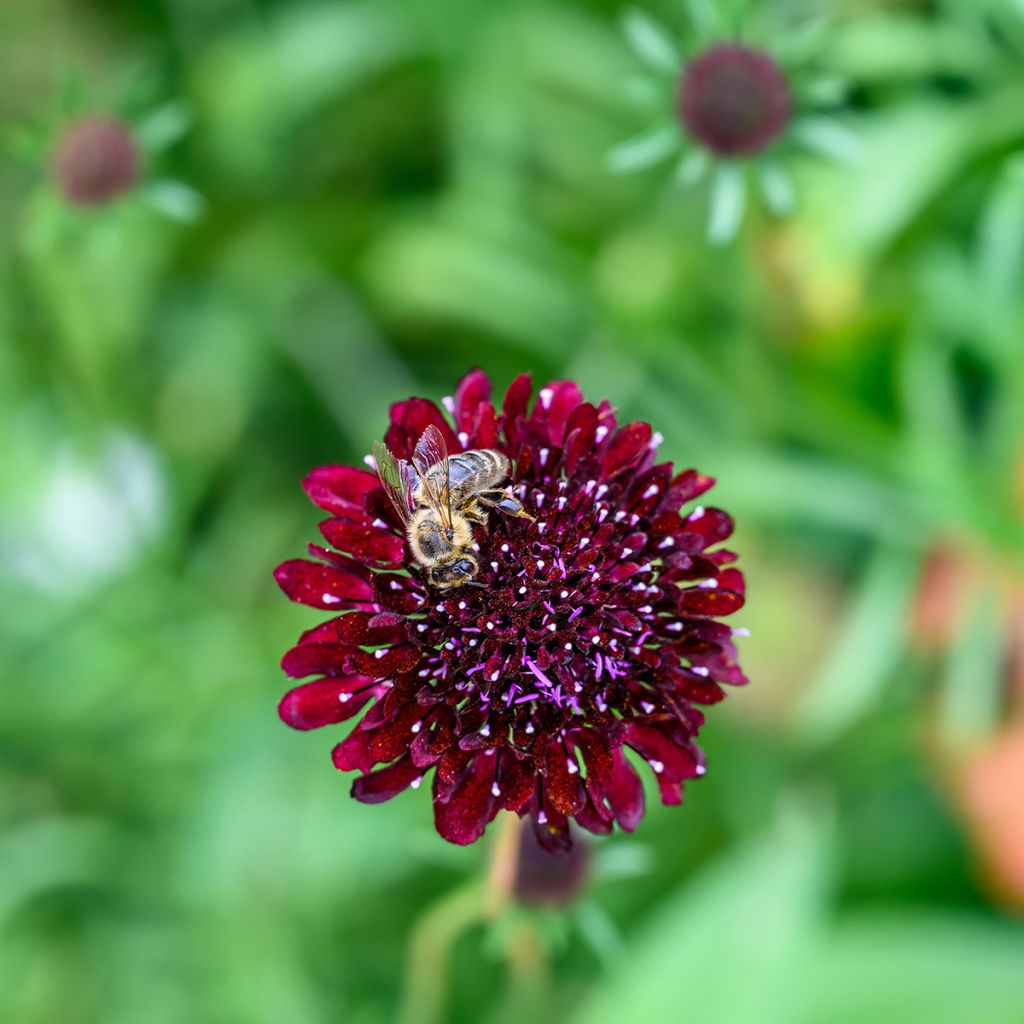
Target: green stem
(429, 947)
(443, 923)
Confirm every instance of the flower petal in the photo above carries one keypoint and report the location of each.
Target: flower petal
(666, 755)
(627, 448)
(319, 658)
(409, 420)
(367, 543)
(385, 783)
(321, 586)
(564, 786)
(324, 702)
(514, 410)
(461, 814)
(625, 793)
(473, 391)
(339, 489)
(555, 403)
(386, 662)
(697, 601)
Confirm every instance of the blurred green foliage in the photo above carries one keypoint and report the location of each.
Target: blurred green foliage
(391, 193)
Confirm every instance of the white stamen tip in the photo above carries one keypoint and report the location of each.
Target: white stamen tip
(658, 766)
(545, 395)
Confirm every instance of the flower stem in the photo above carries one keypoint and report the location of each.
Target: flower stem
(431, 941)
(455, 913)
(501, 878)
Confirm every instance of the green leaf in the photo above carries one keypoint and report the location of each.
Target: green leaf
(864, 658)
(651, 41)
(728, 201)
(749, 916)
(643, 151)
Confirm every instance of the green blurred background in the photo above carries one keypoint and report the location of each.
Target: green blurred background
(357, 201)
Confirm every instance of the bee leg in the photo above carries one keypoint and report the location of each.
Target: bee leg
(504, 502)
(474, 512)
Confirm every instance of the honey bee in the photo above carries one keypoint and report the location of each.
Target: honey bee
(439, 499)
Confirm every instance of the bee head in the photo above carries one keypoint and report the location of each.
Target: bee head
(454, 574)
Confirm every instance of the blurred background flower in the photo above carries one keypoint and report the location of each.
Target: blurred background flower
(394, 193)
(734, 95)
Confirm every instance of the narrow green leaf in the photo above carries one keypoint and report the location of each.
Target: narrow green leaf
(728, 202)
(643, 151)
(651, 41)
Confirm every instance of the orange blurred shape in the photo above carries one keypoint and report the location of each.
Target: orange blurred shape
(989, 788)
(948, 583)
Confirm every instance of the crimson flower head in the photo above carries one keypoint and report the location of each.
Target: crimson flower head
(589, 644)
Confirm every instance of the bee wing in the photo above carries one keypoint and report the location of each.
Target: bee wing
(395, 478)
(431, 451)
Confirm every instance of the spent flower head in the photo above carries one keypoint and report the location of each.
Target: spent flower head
(591, 641)
(92, 156)
(730, 102)
(97, 159)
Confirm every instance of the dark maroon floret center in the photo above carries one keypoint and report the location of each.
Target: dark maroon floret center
(97, 159)
(734, 100)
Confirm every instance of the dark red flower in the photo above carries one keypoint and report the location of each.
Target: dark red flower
(546, 879)
(97, 159)
(734, 100)
(594, 632)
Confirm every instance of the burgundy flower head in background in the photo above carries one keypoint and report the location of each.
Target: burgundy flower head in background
(97, 159)
(595, 631)
(734, 100)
